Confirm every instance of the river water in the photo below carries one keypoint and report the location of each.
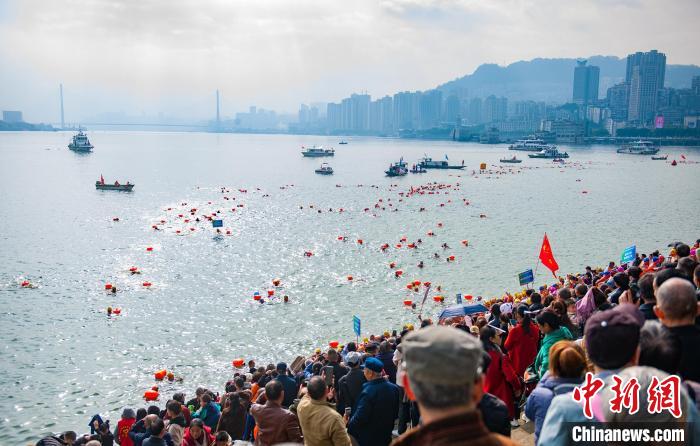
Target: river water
(63, 359)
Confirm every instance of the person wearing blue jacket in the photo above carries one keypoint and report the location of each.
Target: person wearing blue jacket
(208, 412)
(377, 408)
(567, 365)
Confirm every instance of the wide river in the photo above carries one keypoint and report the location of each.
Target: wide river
(63, 359)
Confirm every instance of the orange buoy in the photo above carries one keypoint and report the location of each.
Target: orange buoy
(108, 286)
(468, 297)
(334, 344)
(160, 374)
(147, 284)
(360, 241)
(398, 273)
(451, 258)
(350, 277)
(416, 282)
(238, 363)
(25, 283)
(270, 293)
(171, 376)
(408, 302)
(426, 284)
(133, 269)
(409, 286)
(403, 239)
(438, 298)
(150, 395)
(398, 246)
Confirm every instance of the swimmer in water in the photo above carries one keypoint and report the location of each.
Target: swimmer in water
(445, 246)
(420, 264)
(436, 255)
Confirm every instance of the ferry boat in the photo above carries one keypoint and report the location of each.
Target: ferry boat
(397, 169)
(530, 144)
(317, 151)
(660, 158)
(101, 185)
(429, 163)
(511, 160)
(551, 153)
(639, 147)
(80, 143)
(325, 169)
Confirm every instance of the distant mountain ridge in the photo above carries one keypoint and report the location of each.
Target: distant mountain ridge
(551, 80)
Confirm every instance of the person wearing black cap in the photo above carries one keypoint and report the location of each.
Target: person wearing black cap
(377, 408)
(612, 343)
(350, 385)
(289, 384)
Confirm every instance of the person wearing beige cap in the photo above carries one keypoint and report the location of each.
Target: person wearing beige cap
(443, 374)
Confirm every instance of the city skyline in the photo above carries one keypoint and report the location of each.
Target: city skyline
(150, 57)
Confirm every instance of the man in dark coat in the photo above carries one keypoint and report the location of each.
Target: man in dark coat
(377, 408)
(350, 385)
(288, 383)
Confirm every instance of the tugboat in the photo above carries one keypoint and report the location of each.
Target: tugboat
(429, 163)
(511, 160)
(101, 185)
(315, 152)
(660, 158)
(397, 169)
(417, 168)
(551, 153)
(529, 144)
(325, 169)
(639, 147)
(80, 143)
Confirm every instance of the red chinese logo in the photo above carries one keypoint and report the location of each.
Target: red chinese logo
(625, 396)
(586, 391)
(665, 395)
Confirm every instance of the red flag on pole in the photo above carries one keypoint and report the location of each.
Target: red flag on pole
(546, 256)
(102, 180)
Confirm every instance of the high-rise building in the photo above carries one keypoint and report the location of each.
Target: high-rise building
(495, 109)
(586, 79)
(645, 75)
(452, 106)
(474, 113)
(695, 85)
(12, 116)
(334, 119)
(430, 109)
(386, 114)
(406, 110)
(618, 100)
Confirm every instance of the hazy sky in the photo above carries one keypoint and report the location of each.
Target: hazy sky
(150, 56)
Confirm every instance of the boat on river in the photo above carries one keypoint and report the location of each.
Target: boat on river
(639, 147)
(80, 143)
(428, 163)
(343, 142)
(325, 169)
(102, 185)
(550, 153)
(416, 168)
(397, 169)
(529, 144)
(513, 160)
(660, 158)
(315, 152)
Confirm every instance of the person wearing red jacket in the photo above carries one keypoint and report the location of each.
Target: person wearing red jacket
(121, 432)
(198, 434)
(500, 378)
(521, 343)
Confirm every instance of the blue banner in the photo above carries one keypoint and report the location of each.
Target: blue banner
(356, 325)
(217, 223)
(629, 254)
(526, 277)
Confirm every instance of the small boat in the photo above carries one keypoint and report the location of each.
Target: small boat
(325, 169)
(529, 144)
(343, 142)
(315, 152)
(417, 168)
(80, 143)
(551, 153)
(511, 160)
(101, 185)
(660, 158)
(639, 147)
(558, 160)
(397, 169)
(429, 163)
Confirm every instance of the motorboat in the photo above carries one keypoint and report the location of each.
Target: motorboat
(513, 160)
(529, 144)
(80, 143)
(660, 158)
(343, 142)
(428, 163)
(102, 185)
(417, 168)
(325, 169)
(317, 152)
(550, 153)
(639, 147)
(397, 169)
